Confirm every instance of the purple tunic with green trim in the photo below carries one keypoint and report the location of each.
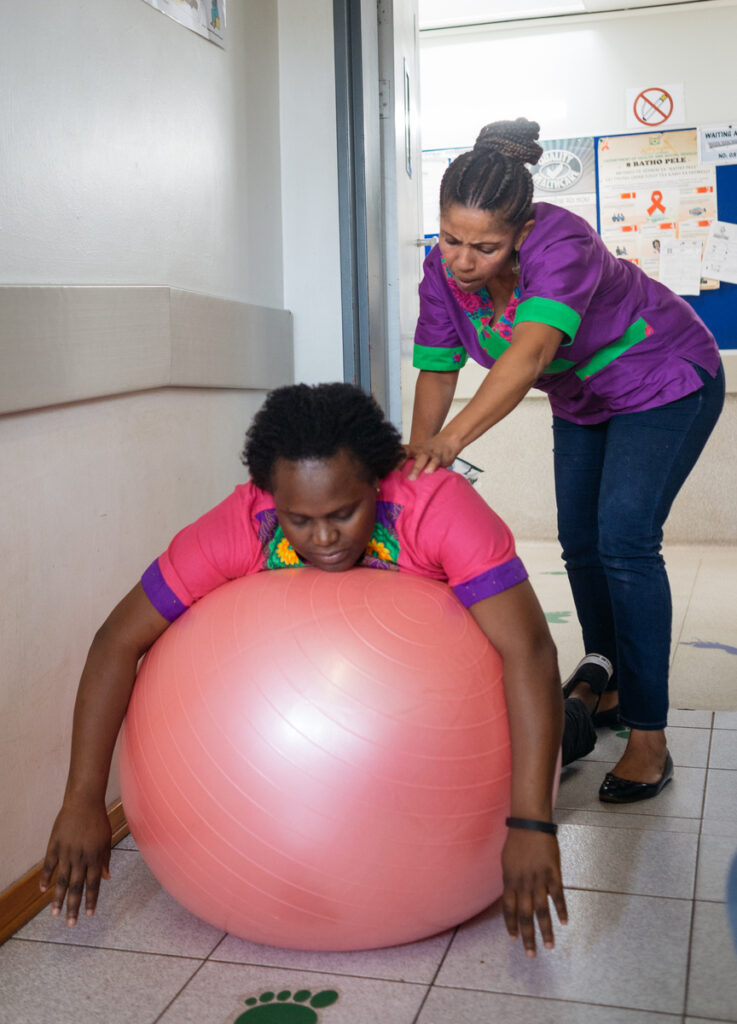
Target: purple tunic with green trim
(630, 342)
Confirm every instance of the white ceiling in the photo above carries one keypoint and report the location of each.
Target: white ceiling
(448, 13)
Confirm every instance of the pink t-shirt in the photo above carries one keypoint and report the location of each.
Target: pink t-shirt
(436, 526)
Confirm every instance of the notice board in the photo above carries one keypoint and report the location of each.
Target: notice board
(718, 307)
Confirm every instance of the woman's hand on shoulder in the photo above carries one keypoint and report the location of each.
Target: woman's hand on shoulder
(438, 451)
(532, 876)
(79, 853)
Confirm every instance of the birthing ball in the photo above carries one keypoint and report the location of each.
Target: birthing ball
(321, 760)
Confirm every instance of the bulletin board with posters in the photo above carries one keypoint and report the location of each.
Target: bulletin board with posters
(640, 191)
(652, 190)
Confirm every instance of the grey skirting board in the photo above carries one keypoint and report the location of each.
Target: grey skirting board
(63, 343)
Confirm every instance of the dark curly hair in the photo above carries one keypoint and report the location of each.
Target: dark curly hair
(493, 176)
(317, 421)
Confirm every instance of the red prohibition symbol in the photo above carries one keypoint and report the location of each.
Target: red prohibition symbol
(653, 106)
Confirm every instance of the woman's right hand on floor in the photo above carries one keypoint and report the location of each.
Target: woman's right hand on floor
(531, 869)
(79, 851)
(79, 847)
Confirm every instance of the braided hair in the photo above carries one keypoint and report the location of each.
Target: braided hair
(303, 421)
(493, 176)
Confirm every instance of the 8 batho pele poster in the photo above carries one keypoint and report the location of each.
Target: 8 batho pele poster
(652, 188)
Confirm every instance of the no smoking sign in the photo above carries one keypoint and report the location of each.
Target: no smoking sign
(655, 106)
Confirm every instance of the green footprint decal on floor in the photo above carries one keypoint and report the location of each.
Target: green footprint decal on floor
(557, 616)
(285, 1008)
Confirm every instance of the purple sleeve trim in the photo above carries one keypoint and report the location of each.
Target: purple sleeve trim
(493, 581)
(160, 594)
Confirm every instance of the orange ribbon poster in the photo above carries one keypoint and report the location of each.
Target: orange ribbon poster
(653, 191)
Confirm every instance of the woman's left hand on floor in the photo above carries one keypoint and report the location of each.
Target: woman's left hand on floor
(531, 871)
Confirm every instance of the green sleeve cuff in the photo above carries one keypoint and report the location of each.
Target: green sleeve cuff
(549, 311)
(430, 357)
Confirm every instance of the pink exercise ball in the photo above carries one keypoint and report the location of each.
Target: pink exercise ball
(321, 760)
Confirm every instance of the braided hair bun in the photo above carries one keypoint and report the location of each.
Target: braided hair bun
(514, 139)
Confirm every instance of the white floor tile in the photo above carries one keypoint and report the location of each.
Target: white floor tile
(456, 1006)
(133, 913)
(726, 719)
(689, 747)
(683, 556)
(417, 962)
(712, 982)
(686, 719)
(718, 556)
(681, 798)
(71, 985)
(700, 1020)
(609, 938)
(218, 995)
(720, 807)
(724, 750)
(702, 676)
(715, 857)
(571, 816)
(703, 670)
(628, 861)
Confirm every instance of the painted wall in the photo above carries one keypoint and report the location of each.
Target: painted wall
(571, 76)
(311, 261)
(136, 152)
(133, 152)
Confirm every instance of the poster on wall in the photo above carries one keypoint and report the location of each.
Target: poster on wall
(718, 144)
(652, 188)
(720, 255)
(205, 17)
(565, 175)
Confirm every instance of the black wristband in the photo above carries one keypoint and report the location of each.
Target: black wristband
(534, 826)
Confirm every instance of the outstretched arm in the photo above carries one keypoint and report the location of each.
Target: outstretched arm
(513, 374)
(515, 625)
(79, 846)
(434, 391)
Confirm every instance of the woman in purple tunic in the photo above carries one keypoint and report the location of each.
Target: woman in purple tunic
(635, 383)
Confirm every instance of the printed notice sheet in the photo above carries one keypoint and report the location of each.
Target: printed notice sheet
(652, 189)
(718, 144)
(680, 265)
(720, 254)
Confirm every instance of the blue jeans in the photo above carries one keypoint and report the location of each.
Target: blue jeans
(615, 483)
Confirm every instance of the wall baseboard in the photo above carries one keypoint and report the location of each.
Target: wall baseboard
(23, 900)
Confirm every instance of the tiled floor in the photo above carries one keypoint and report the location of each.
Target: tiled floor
(647, 942)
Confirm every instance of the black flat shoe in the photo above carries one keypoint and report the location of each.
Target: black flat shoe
(624, 791)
